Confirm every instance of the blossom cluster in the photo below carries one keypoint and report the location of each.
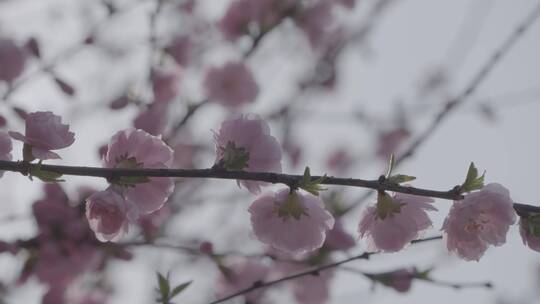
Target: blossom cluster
(291, 222)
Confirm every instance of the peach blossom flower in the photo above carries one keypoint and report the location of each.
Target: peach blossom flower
(290, 222)
(248, 136)
(44, 132)
(395, 227)
(481, 219)
(231, 85)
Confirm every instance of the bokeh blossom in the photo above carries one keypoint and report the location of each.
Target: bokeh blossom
(291, 222)
(231, 85)
(240, 274)
(12, 60)
(481, 219)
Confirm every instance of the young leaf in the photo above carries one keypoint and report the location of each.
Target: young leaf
(45, 176)
(178, 289)
(311, 186)
(164, 288)
(234, 159)
(472, 181)
(391, 164)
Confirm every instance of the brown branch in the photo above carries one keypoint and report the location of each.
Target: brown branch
(290, 180)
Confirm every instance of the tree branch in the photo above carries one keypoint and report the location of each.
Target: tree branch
(275, 178)
(313, 271)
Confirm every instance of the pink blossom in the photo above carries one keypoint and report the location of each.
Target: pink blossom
(5, 148)
(392, 224)
(165, 85)
(528, 229)
(12, 60)
(107, 214)
(152, 119)
(338, 238)
(249, 135)
(152, 223)
(310, 289)
(400, 280)
(339, 161)
(316, 22)
(134, 148)
(243, 14)
(390, 142)
(44, 132)
(180, 49)
(56, 218)
(231, 85)
(239, 275)
(290, 222)
(346, 3)
(237, 18)
(481, 219)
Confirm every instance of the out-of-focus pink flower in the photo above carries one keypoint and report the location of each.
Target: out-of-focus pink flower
(346, 3)
(237, 19)
(59, 265)
(231, 85)
(44, 132)
(243, 14)
(153, 119)
(290, 222)
(180, 49)
(316, 22)
(529, 230)
(54, 295)
(390, 142)
(250, 136)
(481, 219)
(165, 85)
(12, 60)
(107, 214)
(310, 289)
(390, 227)
(239, 275)
(5, 148)
(339, 161)
(56, 219)
(151, 223)
(338, 238)
(400, 280)
(134, 148)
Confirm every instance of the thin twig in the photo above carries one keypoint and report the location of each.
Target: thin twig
(312, 271)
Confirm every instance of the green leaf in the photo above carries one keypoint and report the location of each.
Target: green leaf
(310, 185)
(178, 289)
(234, 159)
(127, 181)
(164, 287)
(391, 164)
(400, 178)
(292, 207)
(472, 181)
(386, 206)
(43, 175)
